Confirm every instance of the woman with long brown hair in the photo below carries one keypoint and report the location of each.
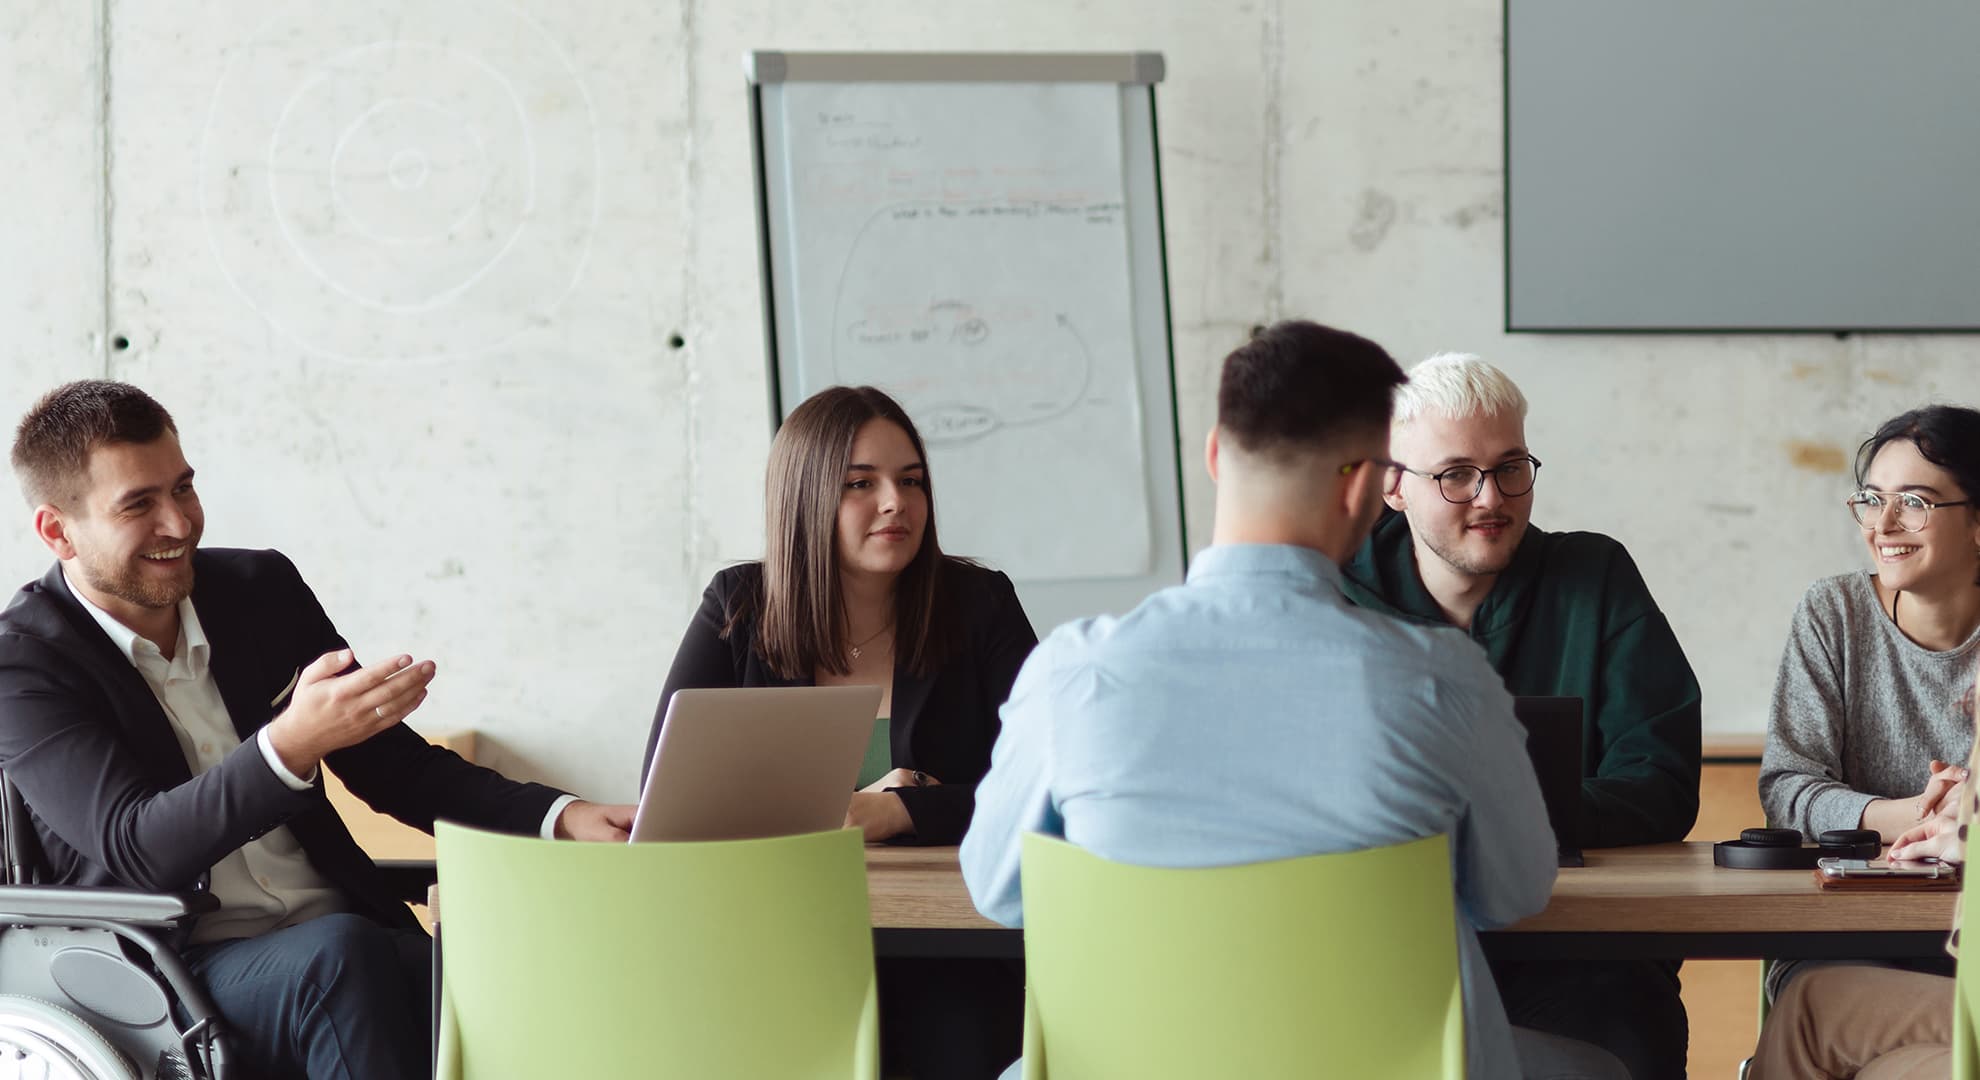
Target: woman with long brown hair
(854, 588)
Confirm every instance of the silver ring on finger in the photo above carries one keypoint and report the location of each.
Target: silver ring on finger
(380, 710)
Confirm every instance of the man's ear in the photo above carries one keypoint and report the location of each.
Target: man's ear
(1210, 453)
(53, 531)
(1359, 505)
(1363, 487)
(1395, 497)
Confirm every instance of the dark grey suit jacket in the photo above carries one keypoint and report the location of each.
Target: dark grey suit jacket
(113, 800)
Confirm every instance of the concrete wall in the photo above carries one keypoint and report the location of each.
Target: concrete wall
(526, 480)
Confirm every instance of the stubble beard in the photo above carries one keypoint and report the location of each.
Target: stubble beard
(1453, 553)
(127, 582)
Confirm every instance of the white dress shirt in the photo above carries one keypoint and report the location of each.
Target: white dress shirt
(263, 884)
(267, 883)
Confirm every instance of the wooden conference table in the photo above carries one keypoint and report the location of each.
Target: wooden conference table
(1658, 900)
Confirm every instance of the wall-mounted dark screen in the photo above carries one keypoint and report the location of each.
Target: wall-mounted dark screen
(1742, 165)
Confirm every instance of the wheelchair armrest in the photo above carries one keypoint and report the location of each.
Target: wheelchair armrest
(45, 903)
(408, 878)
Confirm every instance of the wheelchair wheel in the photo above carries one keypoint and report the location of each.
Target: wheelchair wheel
(40, 1041)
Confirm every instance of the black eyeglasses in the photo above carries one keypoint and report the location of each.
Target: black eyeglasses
(1914, 511)
(1462, 483)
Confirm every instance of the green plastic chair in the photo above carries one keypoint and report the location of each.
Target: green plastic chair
(1326, 965)
(1966, 987)
(745, 959)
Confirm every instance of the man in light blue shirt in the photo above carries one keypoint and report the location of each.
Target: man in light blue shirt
(1254, 714)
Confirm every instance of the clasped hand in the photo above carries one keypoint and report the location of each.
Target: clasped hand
(1943, 790)
(880, 814)
(1938, 835)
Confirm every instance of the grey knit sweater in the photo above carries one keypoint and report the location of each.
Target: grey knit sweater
(1859, 710)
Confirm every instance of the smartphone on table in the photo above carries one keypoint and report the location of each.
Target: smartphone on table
(1926, 869)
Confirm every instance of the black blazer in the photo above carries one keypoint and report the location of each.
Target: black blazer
(113, 800)
(943, 724)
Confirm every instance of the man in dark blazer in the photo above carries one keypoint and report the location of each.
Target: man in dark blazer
(165, 712)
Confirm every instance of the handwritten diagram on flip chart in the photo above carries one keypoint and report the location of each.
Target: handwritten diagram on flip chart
(967, 247)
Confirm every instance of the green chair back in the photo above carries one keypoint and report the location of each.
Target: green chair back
(1326, 965)
(1966, 988)
(745, 959)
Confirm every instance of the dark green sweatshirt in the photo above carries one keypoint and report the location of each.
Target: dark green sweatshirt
(1571, 617)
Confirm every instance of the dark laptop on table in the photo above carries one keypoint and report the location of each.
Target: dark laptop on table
(1553, 741)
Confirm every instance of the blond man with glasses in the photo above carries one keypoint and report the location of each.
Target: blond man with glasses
(1557, 614)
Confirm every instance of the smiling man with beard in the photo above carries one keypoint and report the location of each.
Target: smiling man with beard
(1558, 614)
(166, 711)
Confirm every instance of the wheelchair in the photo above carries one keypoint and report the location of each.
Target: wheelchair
(90, 985)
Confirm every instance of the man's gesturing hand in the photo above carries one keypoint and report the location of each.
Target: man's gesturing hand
(330, 711)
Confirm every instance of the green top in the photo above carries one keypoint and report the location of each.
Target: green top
(879, 754)
(1572, 617)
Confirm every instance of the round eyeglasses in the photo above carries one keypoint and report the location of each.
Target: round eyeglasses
(1914, 511)
(1462, 483)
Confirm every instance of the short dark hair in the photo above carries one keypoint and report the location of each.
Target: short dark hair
(1946, 435)
(802, 626)
(54, 440)
(1297, 385)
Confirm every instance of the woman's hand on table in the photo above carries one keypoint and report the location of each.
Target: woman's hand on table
(1938, 837)
(878, 813)
(1943, 790)
(902, 778)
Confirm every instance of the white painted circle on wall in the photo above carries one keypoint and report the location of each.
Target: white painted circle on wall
(389, 182)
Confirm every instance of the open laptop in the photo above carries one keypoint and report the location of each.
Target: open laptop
(1553, 741)
(740, 764)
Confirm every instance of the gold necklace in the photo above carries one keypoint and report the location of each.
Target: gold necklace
(869, 640)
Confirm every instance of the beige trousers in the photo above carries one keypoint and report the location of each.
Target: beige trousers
(1858, 1020)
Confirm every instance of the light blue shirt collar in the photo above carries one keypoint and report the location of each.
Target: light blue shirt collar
(1309, 570)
